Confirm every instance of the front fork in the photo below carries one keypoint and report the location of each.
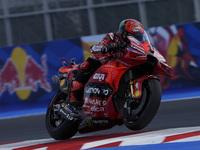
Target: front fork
(136, 85)
(131, 84)
(130, 98)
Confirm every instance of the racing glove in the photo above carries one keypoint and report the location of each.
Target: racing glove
(106, 49)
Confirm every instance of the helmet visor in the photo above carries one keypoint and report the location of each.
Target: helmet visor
(139, 37)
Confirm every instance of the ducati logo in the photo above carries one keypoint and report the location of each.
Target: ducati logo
(99, 76)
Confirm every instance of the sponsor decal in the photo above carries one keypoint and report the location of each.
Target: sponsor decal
(97, 90)
(65, 88)
(97, 109)
(95, 102)
(66, 115)
(96, 122)
(137, 93)
(138, 49)
(62, 82)
(99, 76)
(101, 122)
(92, 90)
(124, 63)
(136, 85)
(105, 91)
(110, 66)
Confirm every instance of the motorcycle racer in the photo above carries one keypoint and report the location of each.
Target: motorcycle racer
(102, 54)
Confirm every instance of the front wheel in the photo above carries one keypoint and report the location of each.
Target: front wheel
(143, 112)
(58, 127)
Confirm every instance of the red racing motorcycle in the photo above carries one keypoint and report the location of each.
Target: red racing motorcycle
(125, 90)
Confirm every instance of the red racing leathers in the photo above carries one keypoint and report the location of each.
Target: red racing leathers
(110, 40)
(88, 67)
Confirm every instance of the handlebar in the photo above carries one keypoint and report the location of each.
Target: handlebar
(110, 49)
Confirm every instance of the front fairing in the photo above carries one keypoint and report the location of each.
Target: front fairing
(139, 51)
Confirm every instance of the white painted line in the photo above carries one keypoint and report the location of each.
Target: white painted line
(25, 143)
(152, 137)
(190, 139)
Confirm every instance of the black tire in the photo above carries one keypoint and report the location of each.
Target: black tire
(66, 128)
(151, 101)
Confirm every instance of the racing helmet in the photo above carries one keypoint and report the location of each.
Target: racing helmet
(131, 27)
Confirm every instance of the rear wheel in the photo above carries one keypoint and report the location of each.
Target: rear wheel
(139, 113)
(58, 127)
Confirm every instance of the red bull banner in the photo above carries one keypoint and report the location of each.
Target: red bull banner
(26, 70)
(180, 45)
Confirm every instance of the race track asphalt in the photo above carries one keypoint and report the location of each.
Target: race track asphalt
(171, 114)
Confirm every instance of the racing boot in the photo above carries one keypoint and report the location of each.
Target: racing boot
(72, 111)
(76, 93)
